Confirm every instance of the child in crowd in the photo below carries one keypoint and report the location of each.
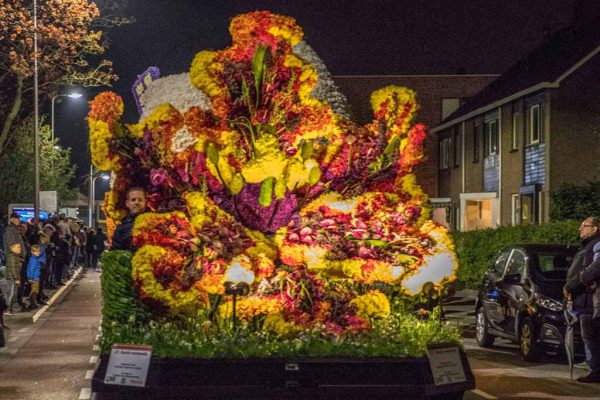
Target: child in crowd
(13, 274)
(34, 267)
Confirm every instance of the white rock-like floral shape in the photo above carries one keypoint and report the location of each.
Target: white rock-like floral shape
(176, 90)
(182, 140)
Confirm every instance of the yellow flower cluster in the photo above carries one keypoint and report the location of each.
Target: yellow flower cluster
(100, 134)
(400, 107)
(163, 113)
(252, 306)
(178, 302)
(276, 324)
(204, 71)
(110, 207)
(291, 34)
(372, 305)
(204, 212)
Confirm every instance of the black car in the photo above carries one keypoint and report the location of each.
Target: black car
(521, 299)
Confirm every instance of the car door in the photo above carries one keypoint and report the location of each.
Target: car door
(513, 295)
(491, 289)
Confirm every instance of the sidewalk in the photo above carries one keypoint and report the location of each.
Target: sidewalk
(50, 359)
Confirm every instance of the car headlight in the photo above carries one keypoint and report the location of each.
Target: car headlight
(548, 303)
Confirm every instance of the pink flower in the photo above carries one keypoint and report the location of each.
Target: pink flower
(158, 176)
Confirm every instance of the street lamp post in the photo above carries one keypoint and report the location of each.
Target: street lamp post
(92, 193)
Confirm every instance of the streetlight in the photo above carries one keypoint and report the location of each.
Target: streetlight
(73, 95)
(92, 193)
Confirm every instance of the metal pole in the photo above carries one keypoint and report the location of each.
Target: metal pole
(234, 316)
(90, 196)
(94, 201)
(52, 117)
(36, 201)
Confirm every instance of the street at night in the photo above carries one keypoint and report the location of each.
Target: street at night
(299, 199)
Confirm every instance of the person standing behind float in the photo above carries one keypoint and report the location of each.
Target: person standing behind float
(582, 295)
(136, 203)
(98, 246)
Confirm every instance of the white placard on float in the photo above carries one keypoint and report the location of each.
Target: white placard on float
(446, 364)
(128, 365)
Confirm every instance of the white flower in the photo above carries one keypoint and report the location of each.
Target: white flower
(182, 140)
(176, 90)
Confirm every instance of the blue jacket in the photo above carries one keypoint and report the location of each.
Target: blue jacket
(34, 265)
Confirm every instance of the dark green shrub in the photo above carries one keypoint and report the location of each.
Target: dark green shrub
(575, 202)
(477, 250)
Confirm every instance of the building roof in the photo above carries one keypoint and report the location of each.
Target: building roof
(544, 67)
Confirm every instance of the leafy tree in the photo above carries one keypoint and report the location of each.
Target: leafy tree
(17, 172)
(69, 37)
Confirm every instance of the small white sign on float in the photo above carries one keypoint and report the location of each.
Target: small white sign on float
(128, 365)
(446, 364)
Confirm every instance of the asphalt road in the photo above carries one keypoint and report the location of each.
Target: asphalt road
(499, 371)
(54, 357)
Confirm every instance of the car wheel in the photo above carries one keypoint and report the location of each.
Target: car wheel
(484, 339)
(527, 343)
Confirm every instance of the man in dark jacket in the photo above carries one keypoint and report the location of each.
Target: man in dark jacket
(582, 295)
(136, 203)
(13, 235)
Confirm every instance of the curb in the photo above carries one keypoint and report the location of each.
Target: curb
(55, 296)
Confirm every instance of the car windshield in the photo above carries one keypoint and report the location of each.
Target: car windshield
(552, 266)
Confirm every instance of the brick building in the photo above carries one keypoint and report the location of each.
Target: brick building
(534, 128)
(438, 96)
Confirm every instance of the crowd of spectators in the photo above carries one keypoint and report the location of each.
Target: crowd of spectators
(42, 256)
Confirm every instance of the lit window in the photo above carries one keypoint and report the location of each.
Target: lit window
(444, 153)
(491, 138)
(535, 124)
(516, 122)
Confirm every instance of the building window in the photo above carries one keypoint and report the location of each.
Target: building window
(449, 106)
(516, 209)
(476, 136)
(535, 124)
(444, 153)
(516, 123)
(455, 148)
(491, 138)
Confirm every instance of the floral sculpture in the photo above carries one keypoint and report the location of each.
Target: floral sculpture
(326, 214)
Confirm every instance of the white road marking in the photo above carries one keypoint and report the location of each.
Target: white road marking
(93, 359)
(89, 374)
(483, 394)
(22, 330)
(85, 394)
(42, 310)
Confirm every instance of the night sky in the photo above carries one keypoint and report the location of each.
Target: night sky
(370, 37)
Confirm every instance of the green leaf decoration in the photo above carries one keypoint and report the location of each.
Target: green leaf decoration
(266, 192)
(236, 184)
(259, 69)
(212, 153)
(392, 147)
(269, 129)
(307, 150)
(314, 175)
(280, 188)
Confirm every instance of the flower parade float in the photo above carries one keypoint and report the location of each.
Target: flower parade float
(285, 248)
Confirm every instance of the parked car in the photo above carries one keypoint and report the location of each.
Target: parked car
(521, 299)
